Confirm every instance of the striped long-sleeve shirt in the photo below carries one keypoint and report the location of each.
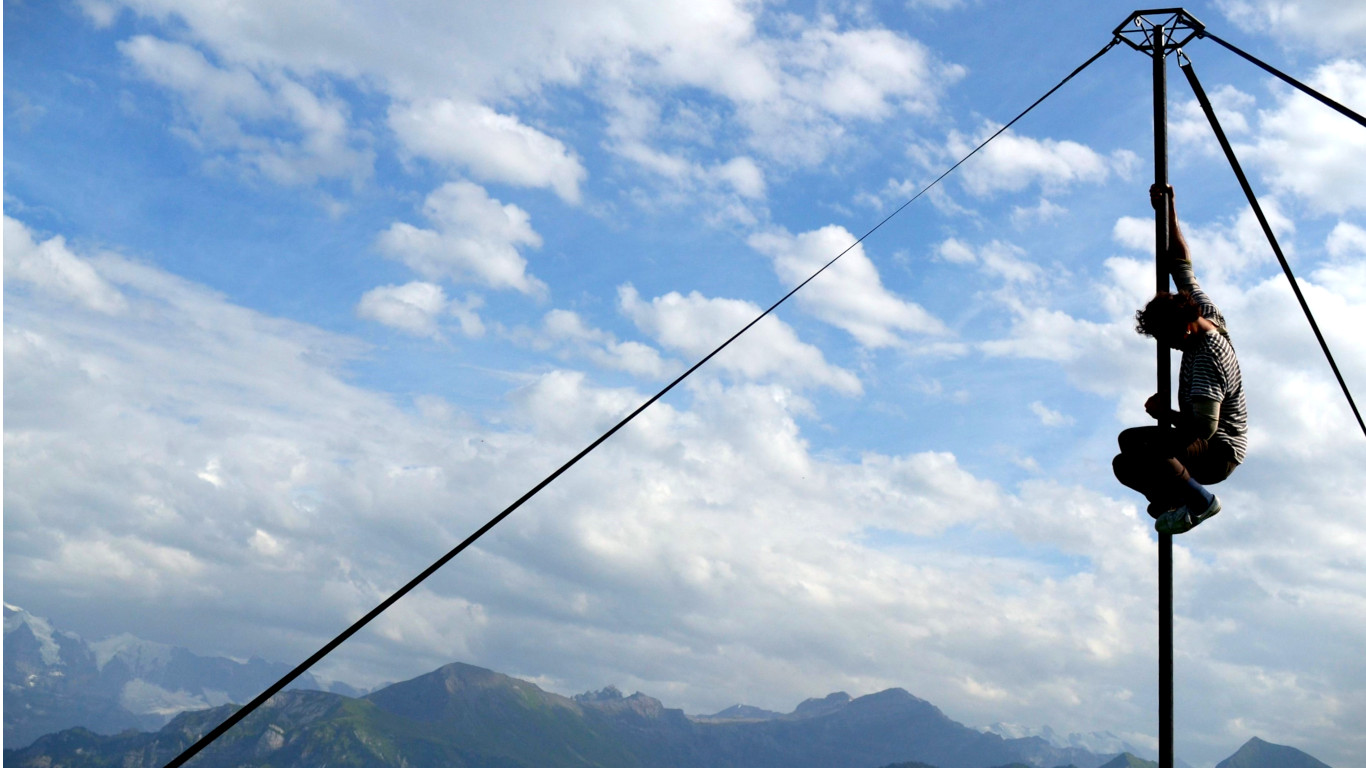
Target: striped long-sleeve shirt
(1209, 369)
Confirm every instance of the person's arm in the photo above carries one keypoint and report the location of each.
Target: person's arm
(1178, 252)
(1202, 422)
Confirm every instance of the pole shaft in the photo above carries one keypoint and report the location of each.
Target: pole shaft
(1165, 677)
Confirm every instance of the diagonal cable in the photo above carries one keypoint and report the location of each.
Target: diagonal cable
(1287, 78)
(1266, 227)
(279, 685)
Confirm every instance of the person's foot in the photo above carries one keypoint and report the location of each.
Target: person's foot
(1182, 519)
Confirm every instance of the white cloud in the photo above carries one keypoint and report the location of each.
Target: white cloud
(1346, 240)
(1103, 357)
(51, 267)
(936, 5)
(1012, 162)
(1347, 272)
(849, 295)
(864, 73)
(565, 327)
(728, 188)
(414, 308)
(742, 174)
(695, 325)
(232, 109)
(1191, 126)
(1106, 356)
(792, 82)
(1311, 150)
(1306, 148)
(466, 314)
(491, 146)
(637, 131)
(1045, 211)
(705, 554)
(145, 569)
(476, 238)
(100, 12)
(792, 90)
(1222, 251)
(264, 543)
(997, 259)
(1049, 334)
(1049, 417)
(829, 76)
(1330, 26)
(1300, 420)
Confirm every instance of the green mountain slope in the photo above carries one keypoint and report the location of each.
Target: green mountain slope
(1127, 760)
(466, 717)
(1261, 754)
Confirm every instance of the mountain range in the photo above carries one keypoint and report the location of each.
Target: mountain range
(465, 716)
(54, 680)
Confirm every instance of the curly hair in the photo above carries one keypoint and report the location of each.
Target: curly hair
(1167, 314)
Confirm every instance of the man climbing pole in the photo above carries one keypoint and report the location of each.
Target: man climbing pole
(1207, 438)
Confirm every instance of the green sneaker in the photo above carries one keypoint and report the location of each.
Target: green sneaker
(1182, 519)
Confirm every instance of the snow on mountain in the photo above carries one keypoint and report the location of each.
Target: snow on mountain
(1100, 742)
(55, 680)
(51, 653)
(138, 655)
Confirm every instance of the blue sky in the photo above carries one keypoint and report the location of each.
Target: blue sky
(297, 295)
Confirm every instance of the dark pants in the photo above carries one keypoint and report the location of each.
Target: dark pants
(1157, 462)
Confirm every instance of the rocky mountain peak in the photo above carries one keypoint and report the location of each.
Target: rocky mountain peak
(1263, 754)
(610, 693)
(819, 707)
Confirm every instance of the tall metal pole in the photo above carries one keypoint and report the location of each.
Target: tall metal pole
(1165, 679)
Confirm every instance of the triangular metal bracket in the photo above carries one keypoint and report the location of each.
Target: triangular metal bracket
(1177, 25)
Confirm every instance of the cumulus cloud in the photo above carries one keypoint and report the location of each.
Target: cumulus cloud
(561, 326)
(1044, 211)
(849, 295)
(997, 258)
(792, 90)
(52, 268)
(1294, 398)
(864, 72)
(1346, 240)
(232, 109)
(1224, 249)
(1103, 355)
(1049, 417)
(739, 175)
(1330, 26)
(792, 82)
(1012, 162)
(670, 148)
(1346, 270)
(936, 5)
(417, 308)
(1189, 124)
(829, 75)
(159, 453)
(491, 146)
(695, 325)
(1312, 151)
(1307, 149)
(476, 238)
